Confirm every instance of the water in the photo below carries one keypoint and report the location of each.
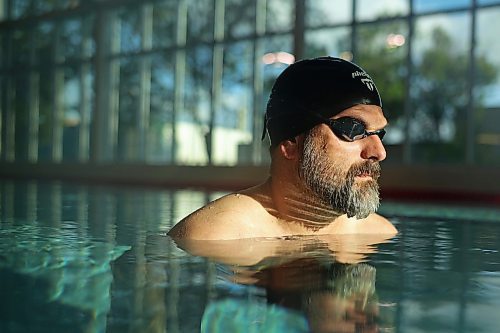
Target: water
(97, 259)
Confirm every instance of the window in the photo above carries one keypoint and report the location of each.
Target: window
(367, 10)
(325, 12)
(486, 134)
(187, 82)
(439, 88)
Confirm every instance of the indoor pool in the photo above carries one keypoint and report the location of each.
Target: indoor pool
(77, 258)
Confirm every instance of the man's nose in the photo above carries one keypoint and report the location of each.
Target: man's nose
(373, 149)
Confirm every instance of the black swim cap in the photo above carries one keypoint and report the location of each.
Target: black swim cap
(325, 86)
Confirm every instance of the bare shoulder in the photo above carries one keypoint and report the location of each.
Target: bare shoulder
(380, 224)
(230, 217)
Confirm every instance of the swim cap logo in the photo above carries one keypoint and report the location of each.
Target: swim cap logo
(367, 81)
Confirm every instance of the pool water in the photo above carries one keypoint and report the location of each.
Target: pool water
(77, 258)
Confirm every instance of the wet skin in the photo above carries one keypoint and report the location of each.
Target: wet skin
(283, 205)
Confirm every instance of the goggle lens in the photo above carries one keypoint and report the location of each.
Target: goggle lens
(350, 129)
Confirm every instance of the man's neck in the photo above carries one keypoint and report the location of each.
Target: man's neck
(296, 203)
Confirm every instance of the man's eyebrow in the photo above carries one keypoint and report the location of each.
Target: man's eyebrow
(363, 121)
(385, 125)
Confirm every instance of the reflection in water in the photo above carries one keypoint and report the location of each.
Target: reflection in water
(73, 258)
(75, 272)
(97, 259)
(100, 256)
(50, 266)
(340, 297)
(301, 292)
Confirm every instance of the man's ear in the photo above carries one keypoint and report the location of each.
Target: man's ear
(289, 148)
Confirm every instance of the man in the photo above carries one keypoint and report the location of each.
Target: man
(325, 122)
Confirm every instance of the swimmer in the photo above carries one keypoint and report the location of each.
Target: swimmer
(325, 123)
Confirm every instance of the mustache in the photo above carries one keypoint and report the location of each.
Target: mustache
(371, 169)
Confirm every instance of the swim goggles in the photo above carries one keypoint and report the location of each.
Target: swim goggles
(350, 129)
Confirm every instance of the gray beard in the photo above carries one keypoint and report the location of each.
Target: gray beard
(336, 187)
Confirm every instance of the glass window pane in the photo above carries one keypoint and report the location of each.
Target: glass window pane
(160, 134)
(333, 42)
(487, 86)
(234, 123)
(21, 45)
(326, 12)
(381, 51)
(164, 24)
(4, 16)
(87, 96)
(280, 15)
(22, 117)
(439, 88)
(75, 38)
(71, 114)
(7, 115)
(22, 8)
(130, 29)
(46, 107)
(71, 37)
(200, 24)
(44, 43)
(44, 6)
(239, 18)
(129, 97)
(272, 70)
(487, 55)
(434, 5)
(192, 127)
(88, 41)
(3, 51)
(371, 10)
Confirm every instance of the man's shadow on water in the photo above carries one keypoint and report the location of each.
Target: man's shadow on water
(310, 285)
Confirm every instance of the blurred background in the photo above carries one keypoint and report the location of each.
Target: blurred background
(174, 91)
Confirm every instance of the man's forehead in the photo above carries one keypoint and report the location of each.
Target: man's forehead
(370, 114)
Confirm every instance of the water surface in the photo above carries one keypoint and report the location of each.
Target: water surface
(97, 259)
